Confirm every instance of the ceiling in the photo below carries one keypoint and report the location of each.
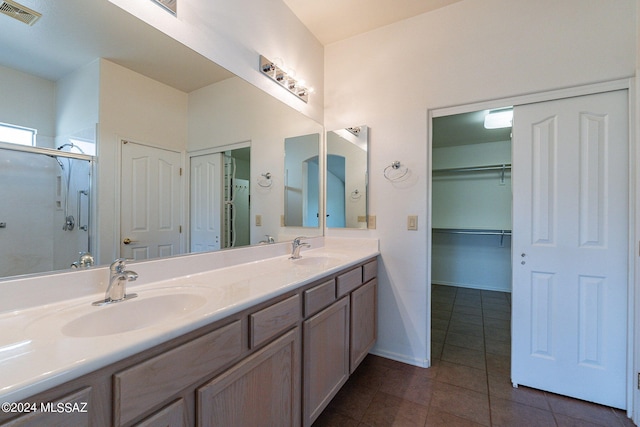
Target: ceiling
(465, 128)
(67, 38)
(334, 20)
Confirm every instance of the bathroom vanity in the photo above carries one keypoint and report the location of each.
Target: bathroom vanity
(276, 361)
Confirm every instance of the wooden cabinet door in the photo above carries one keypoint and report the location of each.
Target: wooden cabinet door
(363, 322)
(174, 415)
(326, 357)
(262, 390)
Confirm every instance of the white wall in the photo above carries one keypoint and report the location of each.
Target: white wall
(467, 52)
(139, 109)
(233, 111)
(77, 104)
(29, 101)
(234, 33)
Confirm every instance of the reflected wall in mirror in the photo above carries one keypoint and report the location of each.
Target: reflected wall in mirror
(346, 177)
(302, 181)
(152, 91)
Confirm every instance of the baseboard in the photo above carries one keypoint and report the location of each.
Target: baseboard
(422, 363)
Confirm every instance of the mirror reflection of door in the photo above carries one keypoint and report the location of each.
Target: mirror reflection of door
(205, 204)
(220, 200)
(150, 196)
(302, 184)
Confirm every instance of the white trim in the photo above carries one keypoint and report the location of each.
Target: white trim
(532, 98)
(629, 84)
(220, 149)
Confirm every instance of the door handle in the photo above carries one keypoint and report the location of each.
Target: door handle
(127, 241)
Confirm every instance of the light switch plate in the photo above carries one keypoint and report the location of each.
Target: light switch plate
(282, 221)
(258, 220)
(412, 222)
(371, 224)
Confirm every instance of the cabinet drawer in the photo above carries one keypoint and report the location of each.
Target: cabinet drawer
(269, 322)
(174, 415)
(319, 297)
(369, 270)
(150, 383)
(349, 281)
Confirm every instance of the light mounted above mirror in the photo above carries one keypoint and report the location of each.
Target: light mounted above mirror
(278, 75)
(346, 177)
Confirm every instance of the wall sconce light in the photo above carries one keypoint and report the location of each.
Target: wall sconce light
(278, 75)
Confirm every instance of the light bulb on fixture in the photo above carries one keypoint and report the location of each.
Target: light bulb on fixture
(275, 70)
(499, 119)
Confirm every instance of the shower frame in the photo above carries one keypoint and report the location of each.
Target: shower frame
(52, 152)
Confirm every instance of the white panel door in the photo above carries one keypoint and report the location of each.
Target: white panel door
(150, 202)
(206, 202)
(570, 240)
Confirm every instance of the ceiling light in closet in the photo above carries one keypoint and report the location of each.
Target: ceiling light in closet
(498, 119)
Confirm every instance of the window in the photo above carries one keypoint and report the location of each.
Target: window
(17, 135)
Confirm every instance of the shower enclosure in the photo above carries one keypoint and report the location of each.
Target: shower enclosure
(45, 209)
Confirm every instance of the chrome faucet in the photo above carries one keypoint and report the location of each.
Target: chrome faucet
(86, 260)
(118, 278)
(295, 247)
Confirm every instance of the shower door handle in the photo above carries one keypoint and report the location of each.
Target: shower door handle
(127, 241)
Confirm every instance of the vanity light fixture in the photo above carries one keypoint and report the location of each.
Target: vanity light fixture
(170, 6)
(286, 80)
(498, 119)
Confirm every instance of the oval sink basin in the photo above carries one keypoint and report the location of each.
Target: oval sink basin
(315, 260)
(132, 314)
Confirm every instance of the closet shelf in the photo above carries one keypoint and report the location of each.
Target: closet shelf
(475, 232)
(483, 232)
(503, 166)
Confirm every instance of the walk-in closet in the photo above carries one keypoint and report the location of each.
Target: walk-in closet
(471, 242)
(471, 201)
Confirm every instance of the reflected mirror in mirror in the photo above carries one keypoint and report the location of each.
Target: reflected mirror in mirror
(346, 176)
(302, 181)
(152, 90)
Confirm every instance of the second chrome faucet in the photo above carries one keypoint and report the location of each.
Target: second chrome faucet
(118, 278)
(296, 245)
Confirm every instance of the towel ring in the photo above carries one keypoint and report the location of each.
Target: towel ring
(265, 181)
(395, 171)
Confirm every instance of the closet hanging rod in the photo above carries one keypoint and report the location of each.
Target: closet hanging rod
(475, 168)
(473, 232)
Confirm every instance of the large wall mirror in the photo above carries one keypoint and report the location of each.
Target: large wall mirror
(346, 177)
(302, 181)
(116, 111)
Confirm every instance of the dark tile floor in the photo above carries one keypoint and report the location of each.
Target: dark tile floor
(468, 384)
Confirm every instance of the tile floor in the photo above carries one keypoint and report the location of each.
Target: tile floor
(468, 384)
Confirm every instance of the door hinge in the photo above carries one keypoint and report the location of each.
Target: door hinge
(638, 381)
(180, 171)
(180, 229)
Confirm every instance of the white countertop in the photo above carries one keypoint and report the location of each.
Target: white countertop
(36, 355)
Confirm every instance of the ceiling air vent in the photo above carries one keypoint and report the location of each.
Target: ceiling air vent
(19, 12)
